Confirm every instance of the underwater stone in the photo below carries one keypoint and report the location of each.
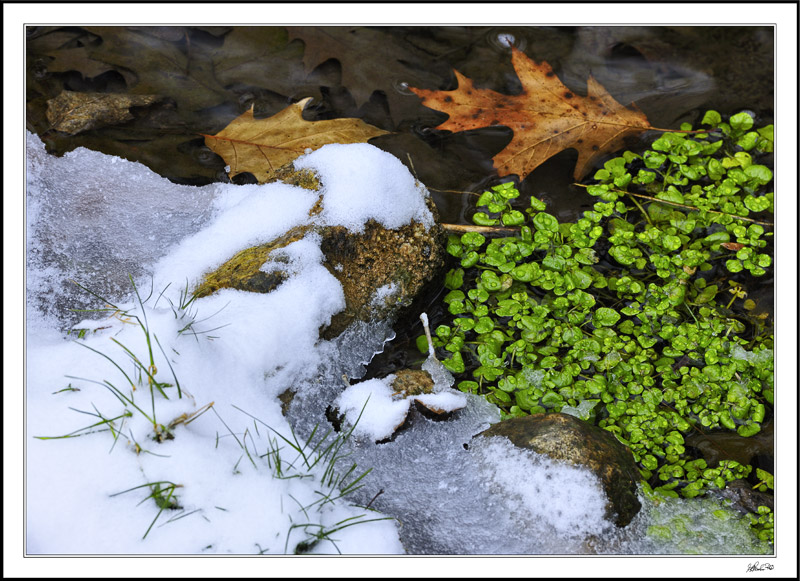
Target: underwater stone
(570, 439)
(743, 498)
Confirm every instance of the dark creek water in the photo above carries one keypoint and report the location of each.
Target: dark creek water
(204, 77)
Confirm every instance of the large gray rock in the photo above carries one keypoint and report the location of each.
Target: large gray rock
(570, 439)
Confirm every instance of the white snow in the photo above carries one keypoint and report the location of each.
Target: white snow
(382, 414)
(447, 401)
(376, 412)
(536, 484)
(361, 182)
(252, 215)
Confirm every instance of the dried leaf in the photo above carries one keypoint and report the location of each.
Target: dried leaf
(732, 246)
(73, 113)
(546, 117)
(261, 146)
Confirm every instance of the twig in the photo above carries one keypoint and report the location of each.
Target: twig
(689, 131)
(374, 497)
(454, 191)
(411, 162)
(685, 206)
(462, 228)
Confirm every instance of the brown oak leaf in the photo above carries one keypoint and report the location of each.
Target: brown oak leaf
(262, 146)
(546, 117)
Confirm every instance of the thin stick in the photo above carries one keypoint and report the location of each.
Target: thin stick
(454, 191)
(462, 228)
(411, 162)
(660, 201)
(374, 497)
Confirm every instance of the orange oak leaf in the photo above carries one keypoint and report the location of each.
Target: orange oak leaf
(262, 146)
(546, 117)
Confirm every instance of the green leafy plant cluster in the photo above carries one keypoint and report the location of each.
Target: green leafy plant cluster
(764, 521)
(634, 317)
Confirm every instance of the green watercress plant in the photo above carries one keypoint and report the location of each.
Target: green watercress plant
(635, 317)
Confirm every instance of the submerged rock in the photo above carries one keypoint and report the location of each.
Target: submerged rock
(380, 269)
(567, 438)
(725, 445)
(743, 498)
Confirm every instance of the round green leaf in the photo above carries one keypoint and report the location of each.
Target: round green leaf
(605, 317)
(741, 121)
(546, 222)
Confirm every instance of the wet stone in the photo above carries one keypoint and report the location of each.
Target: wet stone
(570, 439)
(744, 499)
(412, 382)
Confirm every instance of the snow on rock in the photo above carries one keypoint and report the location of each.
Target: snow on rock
(443, 402)
(361, 182)
(253, 215)
(377, 408)
(566, 499)
(370, 407)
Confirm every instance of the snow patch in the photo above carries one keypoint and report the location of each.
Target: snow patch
(361, 182)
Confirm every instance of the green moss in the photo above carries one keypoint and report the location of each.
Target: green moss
(243, 272)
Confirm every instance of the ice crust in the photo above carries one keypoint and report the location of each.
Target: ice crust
(96, 219)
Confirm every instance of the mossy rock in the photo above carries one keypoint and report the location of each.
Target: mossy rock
(400, 261)
(242, 270)
(570, 439)
(406, 258)
(412, 382)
